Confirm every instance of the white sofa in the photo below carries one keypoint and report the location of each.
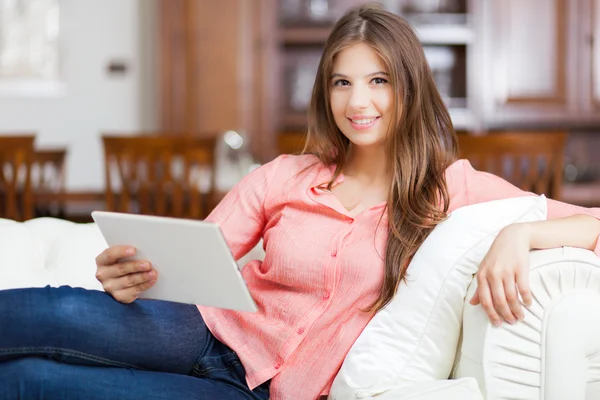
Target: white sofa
(555, 357)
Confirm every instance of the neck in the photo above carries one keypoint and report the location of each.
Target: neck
(369, 165)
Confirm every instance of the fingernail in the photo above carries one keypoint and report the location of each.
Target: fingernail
(143, 265)
(497, 322)
(150, 274)
(130, 251)
(512, 321)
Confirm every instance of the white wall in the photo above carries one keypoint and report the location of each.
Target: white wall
(93, 32)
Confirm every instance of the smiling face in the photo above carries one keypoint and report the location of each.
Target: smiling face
(361, 95)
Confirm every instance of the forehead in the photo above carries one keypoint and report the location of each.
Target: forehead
(358, 59)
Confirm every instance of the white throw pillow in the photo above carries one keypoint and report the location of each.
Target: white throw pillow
(415, 337)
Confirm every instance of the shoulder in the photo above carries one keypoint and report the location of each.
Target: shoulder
(288, 178)
(456, 172)
(456, 181)
(297, 162)
(457, 168)
(287, 166)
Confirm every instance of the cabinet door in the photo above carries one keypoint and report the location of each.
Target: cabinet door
(213, 66)
(588, 72)
(594, 41)
(528, 63)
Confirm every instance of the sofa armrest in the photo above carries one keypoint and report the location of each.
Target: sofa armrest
(552, 354)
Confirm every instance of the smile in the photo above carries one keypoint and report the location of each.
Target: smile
(363, 123)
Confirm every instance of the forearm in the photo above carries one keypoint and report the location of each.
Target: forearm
(575, 231)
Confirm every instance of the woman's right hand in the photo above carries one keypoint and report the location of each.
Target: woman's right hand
(124, 279)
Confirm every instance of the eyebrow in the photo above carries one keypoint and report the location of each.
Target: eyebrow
(336, 75)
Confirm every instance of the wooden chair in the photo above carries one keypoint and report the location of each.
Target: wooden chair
(48, 181)
(532, 161)
(291, 142)
(160, 175)
(16, 197)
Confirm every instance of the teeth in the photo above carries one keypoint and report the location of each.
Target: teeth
(363, 121)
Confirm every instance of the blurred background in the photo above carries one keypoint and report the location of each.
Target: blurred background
(235, 76)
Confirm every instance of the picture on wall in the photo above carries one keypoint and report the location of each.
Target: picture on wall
(29, 45)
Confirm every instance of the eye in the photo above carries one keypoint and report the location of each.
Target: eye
(379, 81)
(341, 82)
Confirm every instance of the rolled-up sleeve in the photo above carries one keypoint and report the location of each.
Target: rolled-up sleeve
(470, 186)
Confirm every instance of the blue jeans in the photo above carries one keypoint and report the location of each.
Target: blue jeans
(65, 343)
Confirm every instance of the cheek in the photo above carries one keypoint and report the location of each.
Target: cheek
(338, 106)
(385, 102)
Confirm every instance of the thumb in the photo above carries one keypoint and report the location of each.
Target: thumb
(475, 299)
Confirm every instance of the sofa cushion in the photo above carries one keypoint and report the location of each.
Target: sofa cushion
(21, 258)
(448, 389)
(72, 256)
(49, 251)
(415, 337)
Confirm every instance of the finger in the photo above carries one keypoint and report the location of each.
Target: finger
(131, 280)
(510, 289)
(523, 286)
(131, 294)
(499, 299)
(475, 299)
(104, 273)
(485, 297)
(113, 254)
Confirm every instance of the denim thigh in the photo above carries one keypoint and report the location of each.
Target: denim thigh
(33, 378)
(89, 327)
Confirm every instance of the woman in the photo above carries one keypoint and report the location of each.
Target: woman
(339, 228)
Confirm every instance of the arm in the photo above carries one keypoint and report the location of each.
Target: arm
(571, 227)
(504, 272)
(578, 230)
(241, 214)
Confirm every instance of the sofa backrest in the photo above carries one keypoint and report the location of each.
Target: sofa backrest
(49, 251)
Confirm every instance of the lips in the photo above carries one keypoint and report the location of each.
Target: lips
(363, 122)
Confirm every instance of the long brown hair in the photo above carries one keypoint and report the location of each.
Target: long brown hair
(421, 141)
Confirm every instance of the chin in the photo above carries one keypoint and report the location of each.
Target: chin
(366, 143)
(365, 139)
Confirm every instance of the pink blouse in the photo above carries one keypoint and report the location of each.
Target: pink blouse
(321, 268)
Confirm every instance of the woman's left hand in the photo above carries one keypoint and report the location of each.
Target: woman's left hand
(504, 275)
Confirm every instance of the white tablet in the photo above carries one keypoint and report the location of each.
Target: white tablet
(193, 261)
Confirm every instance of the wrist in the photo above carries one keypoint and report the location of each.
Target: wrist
(523, 231)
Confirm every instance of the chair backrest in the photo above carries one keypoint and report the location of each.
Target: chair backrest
(16, 197)
(160, 175)
(291, 142)
(48, 181)
(532, 161)
(49, 167)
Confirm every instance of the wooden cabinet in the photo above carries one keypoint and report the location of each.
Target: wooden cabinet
(214, 66)
(443, 27)
(250, 64)
(593, 39)
(537, 63)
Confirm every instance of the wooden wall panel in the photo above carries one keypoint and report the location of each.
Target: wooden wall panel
(200, 78)
(215, 61)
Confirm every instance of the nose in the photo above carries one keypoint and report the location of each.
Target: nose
(359, 97)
